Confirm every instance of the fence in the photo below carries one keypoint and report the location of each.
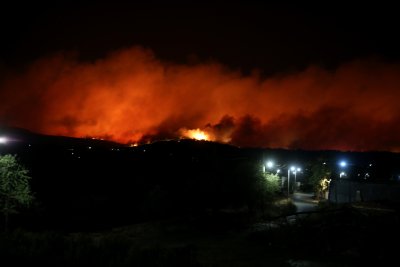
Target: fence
(347, 191)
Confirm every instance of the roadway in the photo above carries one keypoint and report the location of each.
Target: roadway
(304, 201)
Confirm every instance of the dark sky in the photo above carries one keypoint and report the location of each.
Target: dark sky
(241, 34)
(310, 76)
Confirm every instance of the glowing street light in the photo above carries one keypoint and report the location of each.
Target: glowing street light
(342, 165)
(270, 164)
(295, 179)
(288, 182)
(3, 140)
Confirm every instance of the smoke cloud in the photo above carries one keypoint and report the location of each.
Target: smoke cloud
(130, 96)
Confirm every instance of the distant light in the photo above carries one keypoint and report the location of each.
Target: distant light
(292, 168)
(324, 163)
(343, 164)
(278, 170)
(298, 169)
(370, 164)
(270, 164)
(3, 140)
(342, 174)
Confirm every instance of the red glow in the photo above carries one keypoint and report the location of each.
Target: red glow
(132, 97)
(196, 134)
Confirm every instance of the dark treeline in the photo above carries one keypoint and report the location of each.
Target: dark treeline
(88, 184)
(93, 184)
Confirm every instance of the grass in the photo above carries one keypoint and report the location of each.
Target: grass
(334, 236)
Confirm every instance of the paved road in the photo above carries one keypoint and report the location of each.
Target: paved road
(304, 201)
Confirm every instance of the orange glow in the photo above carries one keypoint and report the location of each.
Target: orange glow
(132, 97)
(195, 134)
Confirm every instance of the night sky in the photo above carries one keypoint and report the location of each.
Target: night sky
(323, 76)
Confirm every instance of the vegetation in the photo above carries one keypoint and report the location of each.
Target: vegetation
(332, 236)
(272, 184)
(320, 177)
(14, 186)
(180, 203)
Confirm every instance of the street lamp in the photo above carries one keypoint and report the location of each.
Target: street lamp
(288, 182)
(342, 164)
(3, 140)
(270, 164)
(295, 179)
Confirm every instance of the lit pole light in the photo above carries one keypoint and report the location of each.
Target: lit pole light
(295, 179)
(3, 140)
(269, 165)
(288, 182)
(342, 164)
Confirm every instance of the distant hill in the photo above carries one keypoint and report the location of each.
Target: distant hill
(81, 182)
(385, 163)
(20, 135)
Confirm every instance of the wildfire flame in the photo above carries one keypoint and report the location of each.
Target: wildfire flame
(196, 134)
(130, 96)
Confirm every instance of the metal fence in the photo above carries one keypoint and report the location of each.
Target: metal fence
(347, 191)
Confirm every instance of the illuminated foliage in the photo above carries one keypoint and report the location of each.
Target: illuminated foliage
(320, 177)
(14, 186)
(272, 184)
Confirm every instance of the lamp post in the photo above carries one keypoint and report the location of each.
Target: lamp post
(270, 164)
(295, 179)
(288, 184)
(3, 140)
(342, 164)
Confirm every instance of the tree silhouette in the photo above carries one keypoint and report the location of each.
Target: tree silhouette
(14, 187)
(320, 177)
